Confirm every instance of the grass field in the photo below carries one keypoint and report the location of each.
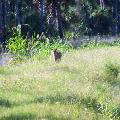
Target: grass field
(85, 85)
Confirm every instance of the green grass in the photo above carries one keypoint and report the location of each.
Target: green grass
(85, 85)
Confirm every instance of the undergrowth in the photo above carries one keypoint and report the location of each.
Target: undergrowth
(22, 48)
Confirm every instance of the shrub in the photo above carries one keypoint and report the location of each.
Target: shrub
(43, 50)
(40, 46)
(111, 72)
(116, 43)
(17, 45)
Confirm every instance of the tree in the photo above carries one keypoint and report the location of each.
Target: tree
(2, 21)
(89, 16)
(57, 15)
(115, 17)
(41, 7)
(102, 4)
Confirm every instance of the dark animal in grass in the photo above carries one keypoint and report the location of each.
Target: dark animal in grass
(57, 55)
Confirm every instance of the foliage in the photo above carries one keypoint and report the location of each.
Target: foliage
(17, 45)
(38, 45)
(82, 17)
(112, 72)
(116, 43)
(44, 49)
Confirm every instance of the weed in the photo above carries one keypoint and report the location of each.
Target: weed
(27, 116)
(111, 71)
(4, 103)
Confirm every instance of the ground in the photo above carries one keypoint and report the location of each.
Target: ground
(85, 85)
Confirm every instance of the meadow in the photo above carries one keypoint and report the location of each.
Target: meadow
(85, 85)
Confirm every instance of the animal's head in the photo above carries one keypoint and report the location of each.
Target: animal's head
(55, 50)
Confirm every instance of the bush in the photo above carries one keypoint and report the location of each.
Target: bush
(116, 43)
(40, 46)
(43, 50)
(111, 72)
(17, 45)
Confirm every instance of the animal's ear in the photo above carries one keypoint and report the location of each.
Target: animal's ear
(55, 49)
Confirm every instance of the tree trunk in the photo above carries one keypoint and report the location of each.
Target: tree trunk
(115, 17)
(2, 21)
(87, 18)
(78, 5)
(102, 4)
(42, 13)
(17, 15)
(57, 16)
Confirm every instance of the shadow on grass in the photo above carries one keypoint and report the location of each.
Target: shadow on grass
(5, 103)
(52, 117)
(116, 113)
(66, 69)
(27, 116)
(115, 83)
(58, 98)
(88, 102)
(70, 70)
(91, 103)
(94, 105)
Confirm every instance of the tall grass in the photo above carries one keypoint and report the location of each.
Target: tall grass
(79, 87)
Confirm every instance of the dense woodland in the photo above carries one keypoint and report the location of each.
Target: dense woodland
(57, 17)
